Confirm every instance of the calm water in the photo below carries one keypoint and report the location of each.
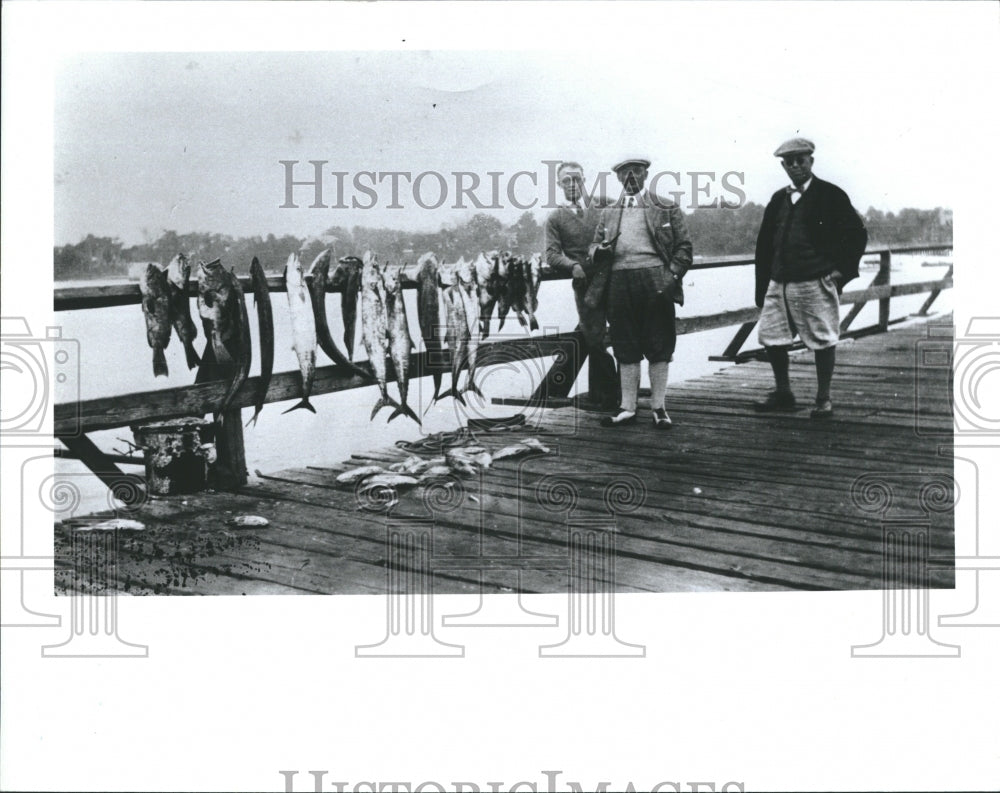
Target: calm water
(115, 359)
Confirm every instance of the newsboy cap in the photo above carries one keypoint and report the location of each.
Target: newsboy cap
(631, 161)
(795, 146)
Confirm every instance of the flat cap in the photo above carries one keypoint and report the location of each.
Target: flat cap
(795, 146)
(631, 161)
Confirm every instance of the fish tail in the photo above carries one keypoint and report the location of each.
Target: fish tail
(304, 403)
(471, 386)
(192, 355)
(436, 377)
(503, 319)
(404, 410)
(253, 418)
(159, 363)
(451, 392)
(383, 402)
(534, 322)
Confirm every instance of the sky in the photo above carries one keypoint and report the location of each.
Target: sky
(192, 141)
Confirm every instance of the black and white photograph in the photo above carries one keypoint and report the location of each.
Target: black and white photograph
(407, 366)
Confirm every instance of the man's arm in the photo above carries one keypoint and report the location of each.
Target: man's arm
(683, 253)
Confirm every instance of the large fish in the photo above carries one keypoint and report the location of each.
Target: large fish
(156, 309)
(400, 343)
(265, 327)
(224, 313)
(429, 314)
(303, 328)
(178, 274)
(375, 326)
(469, 293)
(316, 280)
(484, 268)
(347, 276)
(457, 336)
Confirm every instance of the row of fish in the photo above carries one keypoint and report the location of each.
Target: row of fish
(463, 460)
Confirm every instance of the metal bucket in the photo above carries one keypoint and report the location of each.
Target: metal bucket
(177, 454)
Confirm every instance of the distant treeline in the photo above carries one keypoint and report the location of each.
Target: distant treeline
(715, 232)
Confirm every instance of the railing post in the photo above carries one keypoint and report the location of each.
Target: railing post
(884, 270)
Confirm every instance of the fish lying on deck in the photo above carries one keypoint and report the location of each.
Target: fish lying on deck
(428, 314)
(357, 474)
(524, 447)
(224, 315)
(375, 326)
(400, 343)
(178, 275)
(265, 327)
(303, 328)
(316, 281)
(155, 292)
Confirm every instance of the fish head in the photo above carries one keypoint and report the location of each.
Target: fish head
(392, 275)
(210, 276)
(464, 271)
(428, 261)
(320, 267)
(293, 270)
(179, 270)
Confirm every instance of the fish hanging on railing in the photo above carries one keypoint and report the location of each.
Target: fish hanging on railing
(303, 328)
(375, 326)
(155, 291)
(429, 316)
(400, 343)
(227, 326)
(484, 269)
(178, 275)
(316, 280)
(534, 270)
(517, 290)
(347, 276)
(501, 281)
(265, 327)
(469, 293)
(456, 326)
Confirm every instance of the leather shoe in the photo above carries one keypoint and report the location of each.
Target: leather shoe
(621, 419)
(661, 420)
(823, 410)
(776, 401)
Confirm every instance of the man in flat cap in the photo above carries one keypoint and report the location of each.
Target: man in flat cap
(810, 243)
(641, 251)
(569, 230)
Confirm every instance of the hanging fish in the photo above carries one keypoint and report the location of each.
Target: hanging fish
(429, 316)
(303, 328)
(178, 274)
(400, 343)
(347, 277)
(221, 303)
(469, 293)
(156, 310)
(265, 327)
(316, 280)
(534, 284)
(502, 286)
(375, 326)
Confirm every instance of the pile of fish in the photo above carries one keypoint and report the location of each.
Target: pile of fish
(468, 460)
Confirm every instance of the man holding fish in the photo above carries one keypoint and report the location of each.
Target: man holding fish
(569, 231)
(641, 251)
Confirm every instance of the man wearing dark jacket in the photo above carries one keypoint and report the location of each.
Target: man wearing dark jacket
(569, 231)
(810, 243)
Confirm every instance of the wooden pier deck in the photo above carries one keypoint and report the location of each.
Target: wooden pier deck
(727, 500)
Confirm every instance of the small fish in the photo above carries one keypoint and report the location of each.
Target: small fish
(484, 269)
(463, 465)
(534, 284)
(357, 474)
(220, 301)
(503, 287)
(303, 328)
(249, 521)
(400, 343)
(178, 274)
(375, 326)
(316, 280)
(434, 472)
(536, 444)
(514, 450)
(517, 290)
(265, 326)
(388, 480)
(406, 466)
(155, 292)
(429, 314)
(348, 277)
(115, 524)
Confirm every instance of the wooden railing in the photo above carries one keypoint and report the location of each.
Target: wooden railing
(74, 420)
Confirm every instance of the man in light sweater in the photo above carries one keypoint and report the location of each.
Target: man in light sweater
(569, 230)
(642, 251)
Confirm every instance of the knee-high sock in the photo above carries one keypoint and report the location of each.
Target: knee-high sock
(825, 360)
(778, 356)
(658, 383)
(630, 385)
